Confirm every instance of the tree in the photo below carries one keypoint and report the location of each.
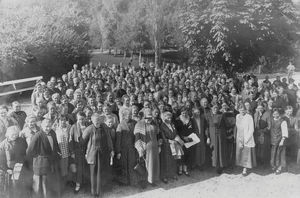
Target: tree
(234, 34)
(35, 29)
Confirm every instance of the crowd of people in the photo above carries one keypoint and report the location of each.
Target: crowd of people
(139, 125)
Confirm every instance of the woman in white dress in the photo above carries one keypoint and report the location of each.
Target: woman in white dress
(245, 145)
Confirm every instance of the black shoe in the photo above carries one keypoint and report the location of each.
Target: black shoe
(143, 185)
(179, 173)
(165, 180)
(219, 171)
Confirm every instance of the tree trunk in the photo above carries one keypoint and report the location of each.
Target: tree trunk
(157, 51)
(125, 54)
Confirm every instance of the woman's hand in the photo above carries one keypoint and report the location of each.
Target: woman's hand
(160, 142)
(208, 141)
(281, 142)
(186, 139)
(112, 154)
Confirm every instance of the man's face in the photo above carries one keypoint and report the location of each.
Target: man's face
(276, 114)
(13, 136)
(260, 109)
(16, 107)
(78, 96)
(63, 123)
(96, 121)
(70, 94)
(31, 123)
(80, 119)
(270, 103)
(106, 110)
(46, 126)
(289, 112)
(204, 103)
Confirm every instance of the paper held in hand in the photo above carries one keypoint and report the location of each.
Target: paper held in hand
(195, 139)
(17, 171)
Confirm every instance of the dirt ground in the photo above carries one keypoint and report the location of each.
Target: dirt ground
(260, 183)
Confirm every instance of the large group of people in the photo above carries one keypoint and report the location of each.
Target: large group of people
(139, 125)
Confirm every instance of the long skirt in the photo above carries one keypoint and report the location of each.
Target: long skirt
(263, 153)
(168, 164)
(200, 150)
(81, 175)
(219, 154)
(128, 161)
(100, 173)
(152, 162)
(64, 166)
(245, 157)
(298, 157)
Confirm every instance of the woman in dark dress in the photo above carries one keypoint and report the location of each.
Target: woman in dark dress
(99, 154)
(201, 131)
(171, 150)
(186, 126)
(217, 139)
(125, 150)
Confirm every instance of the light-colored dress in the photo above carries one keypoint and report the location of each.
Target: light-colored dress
(245, 145)
(146, 144)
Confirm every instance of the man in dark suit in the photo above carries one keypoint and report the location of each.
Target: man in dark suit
(45, 152)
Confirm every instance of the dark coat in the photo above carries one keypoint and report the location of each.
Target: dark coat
(202, 131)
(125, 145)
(12, 153)
(168, 164)
(218, 139)
(43, 156)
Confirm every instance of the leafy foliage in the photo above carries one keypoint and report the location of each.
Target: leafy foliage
(235, 33)
(29, 29)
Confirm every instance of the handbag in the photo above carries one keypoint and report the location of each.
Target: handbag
(140, 167)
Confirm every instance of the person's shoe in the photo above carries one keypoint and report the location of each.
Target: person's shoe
(219, 171)
(274, 169)
(153, 184)
(143, 185)
(244, 173)
(278, 172)
(165, 180)
(179, 172)
(175, 178)
(186, 173)
(77, 189)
